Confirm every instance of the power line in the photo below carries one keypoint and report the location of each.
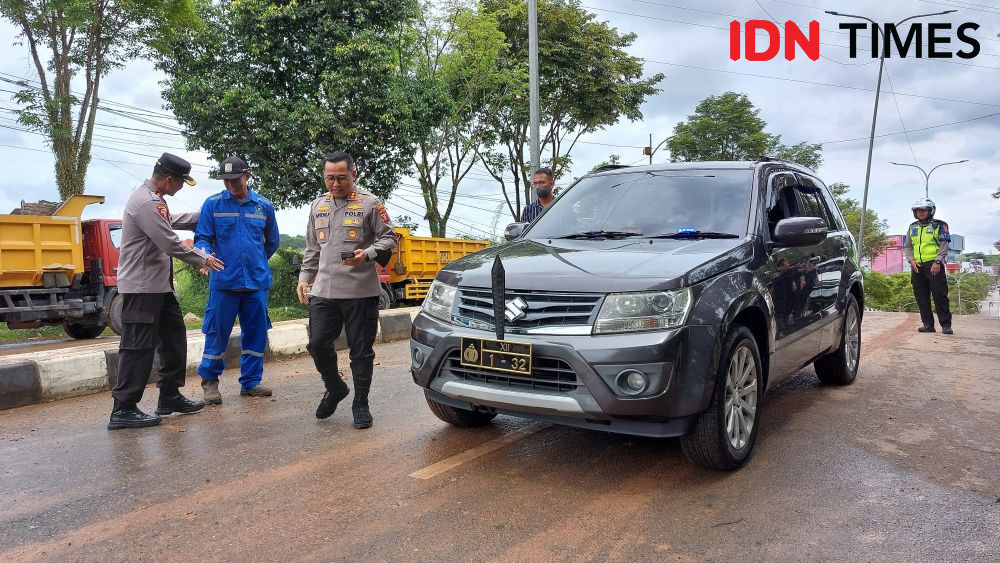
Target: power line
(899, 112)
(928, 128)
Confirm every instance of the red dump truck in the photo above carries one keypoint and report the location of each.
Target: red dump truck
(58, 270)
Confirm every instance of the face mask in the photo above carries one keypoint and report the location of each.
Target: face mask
(543, 192)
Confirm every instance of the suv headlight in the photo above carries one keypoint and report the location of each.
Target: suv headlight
(439, 301)
(649, 310)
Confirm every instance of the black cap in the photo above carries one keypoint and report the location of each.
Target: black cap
(177, 167)
(232, 168)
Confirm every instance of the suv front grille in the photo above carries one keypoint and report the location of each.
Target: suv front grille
(545, 308)
(550, 374)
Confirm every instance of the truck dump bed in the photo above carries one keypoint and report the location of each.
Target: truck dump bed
(43, 251)
(416, 260)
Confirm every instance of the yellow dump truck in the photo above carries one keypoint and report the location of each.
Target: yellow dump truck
(58, 270)
(415, 262)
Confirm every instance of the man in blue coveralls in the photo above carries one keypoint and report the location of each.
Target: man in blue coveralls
(237, 225)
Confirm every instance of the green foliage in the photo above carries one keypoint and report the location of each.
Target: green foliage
(407, 222)
(895, 292)
(298, 242)
(876, 228)
(728, 127)
(587, 81)
(76, 43)
(285, 266)
(283, 83)
(191, 287)
(610, 161)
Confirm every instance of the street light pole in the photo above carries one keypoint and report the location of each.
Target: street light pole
(651, 150)
(533, 112)
(878, 90)
(927, 175)
(958, 284)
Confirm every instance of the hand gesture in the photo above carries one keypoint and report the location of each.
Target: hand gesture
(300, 291)
(213, 263)
(936, 269)
(360, 257)
(914, 265)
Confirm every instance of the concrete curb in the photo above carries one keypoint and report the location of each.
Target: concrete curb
(39, 377)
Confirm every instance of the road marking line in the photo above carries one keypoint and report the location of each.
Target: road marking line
(478, 451)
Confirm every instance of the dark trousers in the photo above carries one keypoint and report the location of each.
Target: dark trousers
(151, 323)
(925, 286)
(359, 319)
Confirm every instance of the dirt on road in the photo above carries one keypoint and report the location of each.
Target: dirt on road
(902, 465)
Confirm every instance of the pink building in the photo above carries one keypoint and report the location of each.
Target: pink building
(891, 261)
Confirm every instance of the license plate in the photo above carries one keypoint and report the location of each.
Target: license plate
(497, 355)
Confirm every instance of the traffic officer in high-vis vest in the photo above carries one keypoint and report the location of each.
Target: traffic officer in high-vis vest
(237, 225)
(926, 248)
(349, 231)
(151, 316)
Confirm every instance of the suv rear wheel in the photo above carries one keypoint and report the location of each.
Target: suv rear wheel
(459, 417)
(723, 436)
(840, 367)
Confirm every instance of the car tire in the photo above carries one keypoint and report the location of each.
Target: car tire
(840, 367)
(84, 332)
(114, 318)
(719, 438)
(459, 417)
(384, 299)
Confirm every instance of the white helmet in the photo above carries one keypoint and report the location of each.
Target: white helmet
(924, 203)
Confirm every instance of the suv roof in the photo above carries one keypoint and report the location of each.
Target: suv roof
(699, 165)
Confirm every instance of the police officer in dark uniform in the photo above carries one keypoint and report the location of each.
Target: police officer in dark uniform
(349, 231)
(926, 249)
(151, 316)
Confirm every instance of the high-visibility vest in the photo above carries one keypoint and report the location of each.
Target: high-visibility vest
(924, 239)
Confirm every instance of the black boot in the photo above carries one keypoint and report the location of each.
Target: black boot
(172, 401)
(926, 328)
(129, 416)
(362, 414)
(947, 330)
(335, 392)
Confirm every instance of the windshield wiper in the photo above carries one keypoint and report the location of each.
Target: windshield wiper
(694, 234)
(599, 234)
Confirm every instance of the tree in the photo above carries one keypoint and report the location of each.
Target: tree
(876, 228)
(728, 127)
(587, 81)
(458, 51)
(81, 41)
(407, 222)
(282, 83)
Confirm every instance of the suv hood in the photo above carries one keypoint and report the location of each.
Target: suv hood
(600, 266)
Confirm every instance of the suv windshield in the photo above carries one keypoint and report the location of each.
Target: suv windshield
(651, 204)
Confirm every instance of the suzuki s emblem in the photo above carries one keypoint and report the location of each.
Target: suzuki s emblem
(515, 309)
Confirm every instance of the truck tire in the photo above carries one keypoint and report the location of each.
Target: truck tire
(459, 417)
(719, 438)
(84, 332)
(114, 318)
(384, 299)
(840, 367)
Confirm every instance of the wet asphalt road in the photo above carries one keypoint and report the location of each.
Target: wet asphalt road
(903, 465)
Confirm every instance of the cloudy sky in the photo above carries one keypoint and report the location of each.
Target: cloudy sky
(951, 109)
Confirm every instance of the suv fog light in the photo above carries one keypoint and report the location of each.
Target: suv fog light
(632, 382)
(418, 358)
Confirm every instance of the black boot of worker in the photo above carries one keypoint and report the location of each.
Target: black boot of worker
(335, 393)
(362, 414)
(926, 328)
(129, 416)
(947, 330)
(172, 401)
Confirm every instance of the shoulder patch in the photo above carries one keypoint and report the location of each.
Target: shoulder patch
(161, 210)
(383, 214)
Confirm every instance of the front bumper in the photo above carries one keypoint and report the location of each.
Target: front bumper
(679, 364)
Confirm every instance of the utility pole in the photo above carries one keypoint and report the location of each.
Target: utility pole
(533, 90)
(878, 90)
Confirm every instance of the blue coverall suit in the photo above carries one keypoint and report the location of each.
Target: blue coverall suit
(242, 235)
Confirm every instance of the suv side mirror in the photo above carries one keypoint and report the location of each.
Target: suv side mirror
(514, 230)
(800, 231)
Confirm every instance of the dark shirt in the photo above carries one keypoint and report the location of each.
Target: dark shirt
(531, 211)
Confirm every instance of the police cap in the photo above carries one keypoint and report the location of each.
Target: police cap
(177, 167)
(232, 168)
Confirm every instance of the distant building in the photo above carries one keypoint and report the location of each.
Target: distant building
(891, 261)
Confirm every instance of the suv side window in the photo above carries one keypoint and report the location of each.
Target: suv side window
(782, 202)
(811, 201)
(836, 220)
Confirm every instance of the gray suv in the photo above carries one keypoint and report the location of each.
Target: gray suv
(657, 300)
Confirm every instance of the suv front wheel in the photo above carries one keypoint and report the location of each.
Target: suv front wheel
(723, 436)
(459, 417)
